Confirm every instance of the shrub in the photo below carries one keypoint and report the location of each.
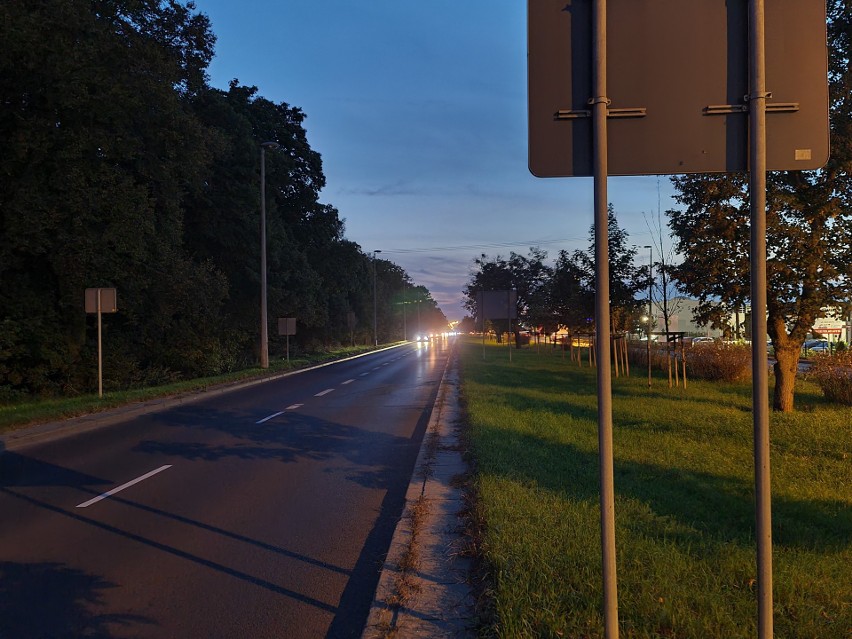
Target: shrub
(719, 362)
(833, 374)
(638, 355)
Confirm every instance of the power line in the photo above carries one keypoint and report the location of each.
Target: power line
(482, 246)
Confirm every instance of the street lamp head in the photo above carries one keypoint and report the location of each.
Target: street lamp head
(270, 145)
(647, 246)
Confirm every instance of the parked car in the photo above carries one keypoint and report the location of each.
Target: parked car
(699, 341)
(815, 346)
(822, 347)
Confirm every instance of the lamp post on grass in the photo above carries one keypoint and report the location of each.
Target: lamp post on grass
(375, 302)
(650, 305)
(264, 336)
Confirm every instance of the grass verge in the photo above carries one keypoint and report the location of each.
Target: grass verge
(684, 504)
(25, 412)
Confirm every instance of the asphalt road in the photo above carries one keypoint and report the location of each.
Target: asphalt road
(264, 512)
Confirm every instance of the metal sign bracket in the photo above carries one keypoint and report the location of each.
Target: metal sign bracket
(725, 109)
(627, 112)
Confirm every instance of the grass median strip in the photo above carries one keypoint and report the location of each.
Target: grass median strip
(684, 504)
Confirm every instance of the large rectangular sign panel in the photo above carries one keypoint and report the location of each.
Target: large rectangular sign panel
(109, 301)
(677, 75)
(497, 305)
(286, 325)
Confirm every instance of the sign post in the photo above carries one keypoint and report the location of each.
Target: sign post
(287, 326)
(757, 97)
(497, 305)
(100, 300)
(679, 109)
(599, 103)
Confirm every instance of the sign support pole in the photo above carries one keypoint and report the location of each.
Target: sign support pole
(100, 351)
(760, 375)
(599, 104)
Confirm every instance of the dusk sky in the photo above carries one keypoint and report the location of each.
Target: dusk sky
(419, 112)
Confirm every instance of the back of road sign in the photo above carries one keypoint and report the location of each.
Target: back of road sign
(677, 74)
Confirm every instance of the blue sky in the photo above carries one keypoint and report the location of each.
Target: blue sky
(419, 112)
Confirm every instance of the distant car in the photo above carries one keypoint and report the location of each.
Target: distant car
(699, 341)
(421, 337)
(822, 347)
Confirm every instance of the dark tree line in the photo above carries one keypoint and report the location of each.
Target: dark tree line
(123, 168)
(563, 294)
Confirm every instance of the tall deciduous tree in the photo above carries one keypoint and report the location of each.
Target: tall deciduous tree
(809, 231)
(528, 275)
(626, 280)
(100, 146)
(572, 301)
(123, 168)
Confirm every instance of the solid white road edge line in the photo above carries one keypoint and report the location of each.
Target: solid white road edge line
(123, 486)
(325, 392)
(266, 419)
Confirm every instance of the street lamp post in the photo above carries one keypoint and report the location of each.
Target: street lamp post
(404, 326)
(375, 302)
(482, 297)
(650, 305)
(264, 336)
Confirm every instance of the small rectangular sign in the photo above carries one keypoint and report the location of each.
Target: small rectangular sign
(109, 301)
(286, 325)
(828, 331)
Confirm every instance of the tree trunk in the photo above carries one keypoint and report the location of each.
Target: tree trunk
(786, 365)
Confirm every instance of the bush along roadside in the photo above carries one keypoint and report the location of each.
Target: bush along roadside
(833, 374)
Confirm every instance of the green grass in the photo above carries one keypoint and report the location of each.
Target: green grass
(684, 504)
(29, 411)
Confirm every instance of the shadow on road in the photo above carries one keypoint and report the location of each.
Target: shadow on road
(53, 600)
(19, 470)
(62, 595)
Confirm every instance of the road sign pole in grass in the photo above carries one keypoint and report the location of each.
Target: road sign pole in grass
(760, 375)
(599, 103)
(100, 301)
(688, 117)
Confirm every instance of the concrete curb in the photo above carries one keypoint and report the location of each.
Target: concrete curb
(28, 435)
(423, 590)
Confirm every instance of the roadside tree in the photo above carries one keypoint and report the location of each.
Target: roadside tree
(809, 231)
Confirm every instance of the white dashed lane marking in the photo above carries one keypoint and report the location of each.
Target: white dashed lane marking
(268, 417)
(320, 394)
(86, 504)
